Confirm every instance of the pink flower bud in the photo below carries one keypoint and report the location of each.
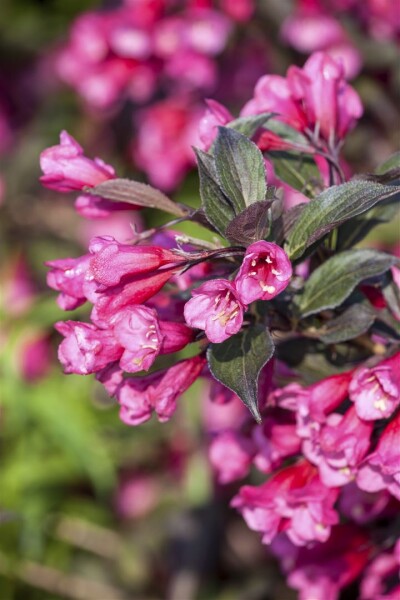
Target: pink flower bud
(67, 276)
(86, 348)
(215, 308)
(215, 115)
(112, 261)
(175, 336)
(293, 500)
(159, 391)
(67, 169)
(230, 455)
(338, 447)
(376, 390)
(381, 469)
(265, 272)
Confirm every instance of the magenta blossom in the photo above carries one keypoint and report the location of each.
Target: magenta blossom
(215, 115)
(216, 308)
(293, 500)
(320, 571)
(339, 447)
(312, 404)
(158, 392)
(139, 331)
(68, 276)
(376, 390)
(230, 455)
(265, 272)
(86, 348)
(381, 573)
(67, 169)
(381, 469)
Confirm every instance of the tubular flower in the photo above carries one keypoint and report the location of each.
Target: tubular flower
(339, 447)
(376, 391)
(86, 348)
(215, 308)
(265, 272)
(230, 455)
(293, 500)
(158, 392)
(68, 276)
(67, 169)
(381, 469)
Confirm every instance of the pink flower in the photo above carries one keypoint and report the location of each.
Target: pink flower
(215, 115)
(376, 390)
(331, 106)
(273, 94)
(137, 495)
(67, 169)
(86, 348)
(137, 330)
(319, 572)
(33, 355)
(293, 500)
(312, 404)
(275, 440)
(216, 308)
(381, 469)
(17, 286)
(67, 276)
(384, 568)
(230, 455)
(127, 275)
(159, 391)
(265, 272)
(339, 447)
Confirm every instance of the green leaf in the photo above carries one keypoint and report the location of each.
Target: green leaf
(137, 193)
(248, 125)
(333, 282)
(297, 169)
(240, 169)
(353, 231)
(216, 206)
(250, 225)
(353, 322)
(330, 209)
(237, 363)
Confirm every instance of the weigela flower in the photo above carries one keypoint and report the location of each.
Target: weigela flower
(265, 272)
(127, 275)
(320, 571)
(338, 447)
(313, 403)
(139, 331)
(215, 115)
(295, 501)
(375, 391)
(86, 348)
(215, 307)
(68, 276)
(158, 392)
(67, 169)
(381, 573)
(230, 455)
(381, 469)
(331, 106)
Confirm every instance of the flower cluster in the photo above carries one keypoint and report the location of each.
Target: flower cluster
(326, 414)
